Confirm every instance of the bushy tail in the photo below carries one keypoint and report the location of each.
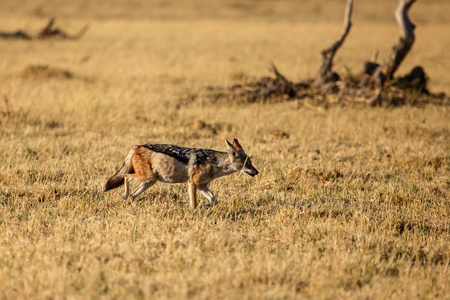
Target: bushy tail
(117, 179)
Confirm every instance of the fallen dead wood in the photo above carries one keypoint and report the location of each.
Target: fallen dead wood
(49, 31)
(15, 35)
(375, 84)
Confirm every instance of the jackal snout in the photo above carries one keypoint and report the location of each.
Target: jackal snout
(248, 168)
(252, 172)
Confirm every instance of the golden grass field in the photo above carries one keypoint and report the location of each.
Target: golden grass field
(350, 202)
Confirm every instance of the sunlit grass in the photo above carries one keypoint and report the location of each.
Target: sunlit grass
(349, 202)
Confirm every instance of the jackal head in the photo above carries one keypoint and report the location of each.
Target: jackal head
(240, 162)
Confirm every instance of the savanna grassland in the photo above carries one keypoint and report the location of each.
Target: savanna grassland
(351, 202)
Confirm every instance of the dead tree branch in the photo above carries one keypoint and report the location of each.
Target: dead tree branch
(278, 75)
(328, 54)
(407, 37)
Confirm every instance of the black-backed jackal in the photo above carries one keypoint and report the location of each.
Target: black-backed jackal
(174, 164)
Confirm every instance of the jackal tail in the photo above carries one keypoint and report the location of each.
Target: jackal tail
(118, 179)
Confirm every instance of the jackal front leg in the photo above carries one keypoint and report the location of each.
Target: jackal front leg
(208, 194)
(192, 194)
(142, 188)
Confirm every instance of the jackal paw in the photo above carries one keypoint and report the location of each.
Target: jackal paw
(125, 197)
(210, 204)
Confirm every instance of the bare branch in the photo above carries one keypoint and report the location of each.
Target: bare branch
(401, 16)
(81, 32)
(278, 75)
(400, 50)
(328, 54)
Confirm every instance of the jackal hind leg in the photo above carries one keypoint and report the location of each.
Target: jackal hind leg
(142, 188)
(127, 180)
(204, 189)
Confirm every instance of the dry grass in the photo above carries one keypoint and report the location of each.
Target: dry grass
(350, 202)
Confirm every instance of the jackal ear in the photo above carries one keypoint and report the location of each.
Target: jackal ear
(237, 145)
(230, 148)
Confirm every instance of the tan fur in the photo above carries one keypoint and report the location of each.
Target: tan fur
(173, 164)
(141, 163)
